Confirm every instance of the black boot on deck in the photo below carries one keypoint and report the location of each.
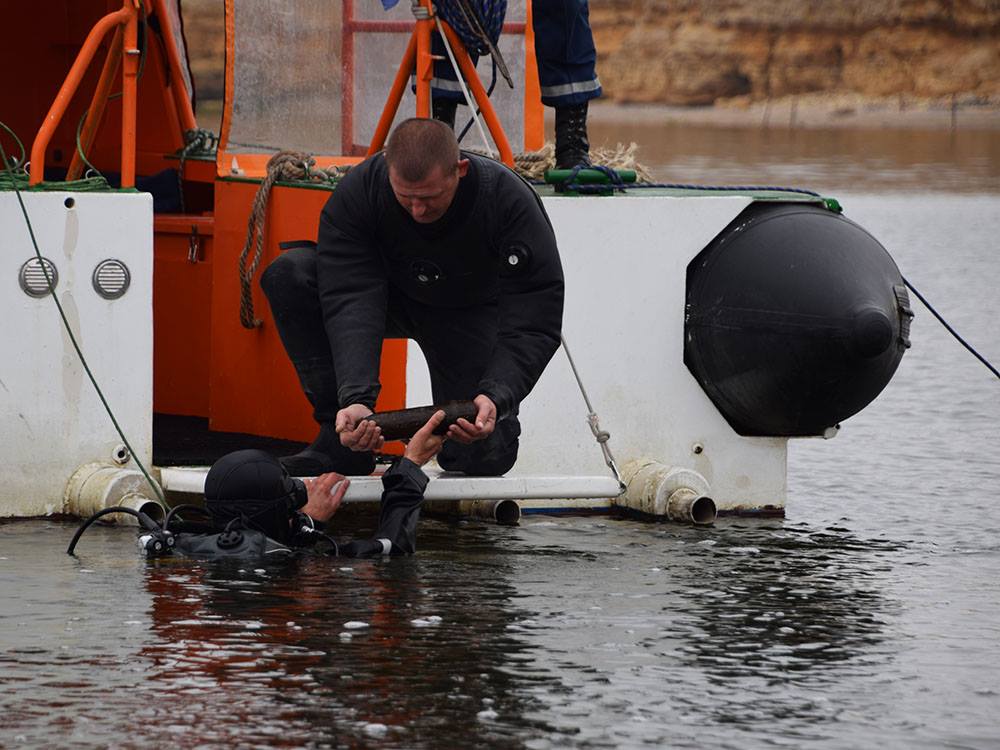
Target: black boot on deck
(327, 454)
(444, 110)
(572, 147)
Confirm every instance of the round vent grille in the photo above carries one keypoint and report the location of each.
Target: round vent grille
(111, 279)
(33, 278)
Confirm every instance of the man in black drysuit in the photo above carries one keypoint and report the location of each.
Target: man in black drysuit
(451, 249)
(259, 511)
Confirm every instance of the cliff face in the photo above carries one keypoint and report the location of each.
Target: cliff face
(691, 52)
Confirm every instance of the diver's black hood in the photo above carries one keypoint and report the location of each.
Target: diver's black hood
(253, 486)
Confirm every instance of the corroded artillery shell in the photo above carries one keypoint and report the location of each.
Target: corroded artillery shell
(402, 424)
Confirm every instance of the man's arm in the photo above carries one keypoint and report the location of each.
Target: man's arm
(404, 484)
(352, 290)
(530, 300)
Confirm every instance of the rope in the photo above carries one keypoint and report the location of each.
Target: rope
(490, 15)
(16, 177)
(69, 330)
(197, 142)
(601, 436)
(952, 331)
(284, 166)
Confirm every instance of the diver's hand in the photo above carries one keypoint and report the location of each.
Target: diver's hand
(486, 419)
(324, 495)
(356, 432)
(424, 444)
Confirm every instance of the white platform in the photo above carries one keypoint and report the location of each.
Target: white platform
(581, 493)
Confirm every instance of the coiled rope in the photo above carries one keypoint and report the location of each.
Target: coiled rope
(284, 166)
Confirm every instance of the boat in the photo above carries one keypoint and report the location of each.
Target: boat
(704, 327)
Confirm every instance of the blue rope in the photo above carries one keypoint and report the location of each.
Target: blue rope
(491, 15)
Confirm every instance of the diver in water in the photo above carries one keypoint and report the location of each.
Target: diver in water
(258, 509)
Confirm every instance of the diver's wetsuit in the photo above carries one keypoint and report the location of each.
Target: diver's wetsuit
(480, 289)
(403, 490)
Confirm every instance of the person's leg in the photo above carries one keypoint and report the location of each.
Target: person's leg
(457, 345)
(289, 283)
(564, 48)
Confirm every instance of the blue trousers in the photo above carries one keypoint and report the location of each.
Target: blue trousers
(564, 48)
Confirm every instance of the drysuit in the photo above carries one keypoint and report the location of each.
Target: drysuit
(403, 490)
(480, 290)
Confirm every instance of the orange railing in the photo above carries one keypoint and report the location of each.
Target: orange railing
(418, 59)
(127, 20)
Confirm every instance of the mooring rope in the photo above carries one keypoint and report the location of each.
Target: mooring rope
(13, 182)
(601, 436)
(284, 166)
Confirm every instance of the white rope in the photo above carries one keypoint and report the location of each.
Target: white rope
(601, 436)
(465, 90)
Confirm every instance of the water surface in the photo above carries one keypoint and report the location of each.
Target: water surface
(870, 616)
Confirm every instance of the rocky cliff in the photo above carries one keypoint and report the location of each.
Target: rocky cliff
(697, 52)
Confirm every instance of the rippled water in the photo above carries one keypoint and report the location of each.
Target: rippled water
(870, 616)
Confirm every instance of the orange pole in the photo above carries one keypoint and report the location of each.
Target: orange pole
(130, 73)
(69, 87)
(95, 113)
(425, 61)
(395, 96)
(181, 97)
(479, 94)
(534, 121)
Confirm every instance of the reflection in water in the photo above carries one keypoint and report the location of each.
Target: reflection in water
(325, 650)
(965, 161)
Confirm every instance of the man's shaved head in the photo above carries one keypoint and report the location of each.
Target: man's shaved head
(418, 145)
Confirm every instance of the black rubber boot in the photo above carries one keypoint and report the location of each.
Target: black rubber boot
(326, 453)
(444, 111)
(572, 146)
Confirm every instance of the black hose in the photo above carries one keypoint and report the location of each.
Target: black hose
(173, 511)
(489, 93)
(145, 521)
(951, 330)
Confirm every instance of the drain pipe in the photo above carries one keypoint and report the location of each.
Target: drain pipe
(660, 491)
(505, 512)
(96, 486)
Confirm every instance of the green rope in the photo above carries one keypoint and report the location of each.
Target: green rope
(13, 179)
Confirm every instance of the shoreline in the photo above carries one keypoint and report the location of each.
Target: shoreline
(814, 112)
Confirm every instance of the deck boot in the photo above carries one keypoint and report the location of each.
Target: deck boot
(444, 110)
(325, 454)
(572, 146)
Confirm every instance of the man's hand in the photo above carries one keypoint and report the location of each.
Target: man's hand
(356, 432)
(325, 493)
(486, 420)
(424, 444)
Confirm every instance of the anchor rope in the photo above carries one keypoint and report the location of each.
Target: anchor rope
(601, 436)
(284, 166)
(951, 330)
(69, 330)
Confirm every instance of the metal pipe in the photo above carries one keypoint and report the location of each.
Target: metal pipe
(95, 112)
(660, 491)
(96, 486)
(395, 97)
(506, 512)
(69, 87)
(479, 92)
(130, 80)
